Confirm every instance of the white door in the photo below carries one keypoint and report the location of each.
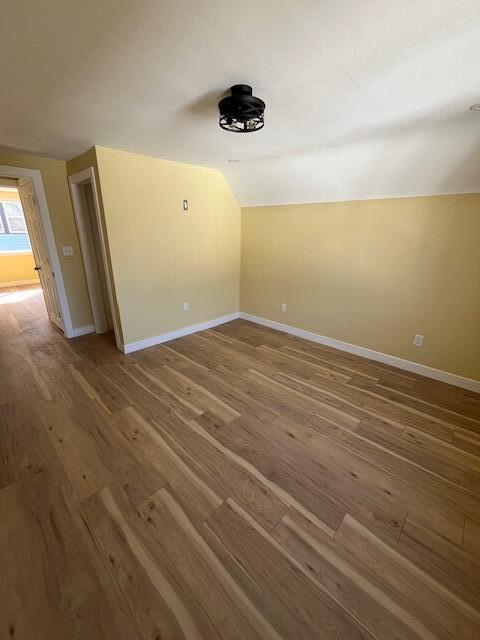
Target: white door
(40, 252)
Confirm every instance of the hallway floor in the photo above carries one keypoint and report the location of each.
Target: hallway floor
(238, 483)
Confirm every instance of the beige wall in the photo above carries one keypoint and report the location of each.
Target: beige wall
(54, 178)
(161, 256)
(373, 273)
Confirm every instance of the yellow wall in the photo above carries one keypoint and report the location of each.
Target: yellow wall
(84, 161)
(15, 267)
(6, 195)
(162, 256)
(54, 177)
(373, 273)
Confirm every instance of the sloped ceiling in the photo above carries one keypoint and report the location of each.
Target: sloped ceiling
(364, 98)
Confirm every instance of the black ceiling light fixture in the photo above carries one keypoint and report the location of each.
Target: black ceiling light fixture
(241, 112)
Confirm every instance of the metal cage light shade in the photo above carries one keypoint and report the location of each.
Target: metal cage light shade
(241, 112)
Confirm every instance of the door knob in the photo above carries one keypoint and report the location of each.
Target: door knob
(37, 268)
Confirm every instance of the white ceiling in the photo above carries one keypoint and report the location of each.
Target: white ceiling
(365, 98)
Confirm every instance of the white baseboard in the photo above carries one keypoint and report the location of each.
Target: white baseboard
(129, 347)
(19, 283)
(82, 331)
(400, 363)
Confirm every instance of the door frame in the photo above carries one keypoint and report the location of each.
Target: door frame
(76, 181)
(35, 175)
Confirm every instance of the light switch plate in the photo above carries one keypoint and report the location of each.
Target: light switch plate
(67, 251)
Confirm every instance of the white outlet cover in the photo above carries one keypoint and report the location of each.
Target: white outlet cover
(67, 251)
(418, 340)
(185, 306)
(283, 307)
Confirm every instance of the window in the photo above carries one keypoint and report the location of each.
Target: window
(13, 230)
(13, 217)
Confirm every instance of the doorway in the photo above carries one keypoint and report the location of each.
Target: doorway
(91, 235)
(16, 258)
(26, 219)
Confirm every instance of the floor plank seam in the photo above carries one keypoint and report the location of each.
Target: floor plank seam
(241, 482)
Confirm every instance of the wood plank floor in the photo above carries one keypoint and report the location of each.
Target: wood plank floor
(238, 483)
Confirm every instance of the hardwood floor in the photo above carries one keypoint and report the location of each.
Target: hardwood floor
(236, 483)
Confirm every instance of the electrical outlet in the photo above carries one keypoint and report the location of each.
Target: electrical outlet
(185, 306)
(283, 307)
(418, 340)
(67, 251)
